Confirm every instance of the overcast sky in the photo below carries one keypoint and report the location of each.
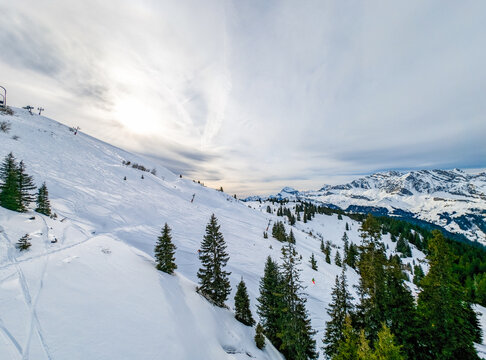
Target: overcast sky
(256, 95)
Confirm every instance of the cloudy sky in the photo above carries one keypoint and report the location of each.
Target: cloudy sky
(255, 95)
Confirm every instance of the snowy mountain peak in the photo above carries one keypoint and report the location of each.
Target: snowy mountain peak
(453, 199)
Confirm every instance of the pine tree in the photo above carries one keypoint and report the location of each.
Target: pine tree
(337, 259)
(328, 252)
(296, 331)
(24, 243)
(385, 347)
(9, 188)
(418, 274)
(43, 204)
(213, 280)
(403, 247)
(445, 321)
(25, 185)
(351, 256)
(364, 350)
(400, 311)
(347, 227)
(313, 262)
(348, 347)
(259, 338)
(242, 305)
(278, 231)
(371, 288)
(164, 252)
(291, 238)
(339, 309)
(270, 302)
(323, 248)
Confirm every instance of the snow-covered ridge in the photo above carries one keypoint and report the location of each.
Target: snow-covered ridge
(452, 199)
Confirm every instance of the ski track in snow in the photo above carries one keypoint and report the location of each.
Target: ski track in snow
(31, 301)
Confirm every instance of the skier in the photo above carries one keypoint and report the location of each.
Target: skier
(313, 281)
(193, 195)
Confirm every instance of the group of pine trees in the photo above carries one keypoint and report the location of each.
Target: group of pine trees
(214, 282)
(387, 323)
(16, 188)
(281, 307)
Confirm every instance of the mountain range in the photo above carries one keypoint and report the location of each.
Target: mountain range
(452, 199)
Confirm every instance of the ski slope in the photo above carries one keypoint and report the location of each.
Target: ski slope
(94, 293)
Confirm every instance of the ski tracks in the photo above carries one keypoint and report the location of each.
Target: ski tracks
(30, 301)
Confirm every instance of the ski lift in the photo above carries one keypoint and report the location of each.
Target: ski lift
(3, 98)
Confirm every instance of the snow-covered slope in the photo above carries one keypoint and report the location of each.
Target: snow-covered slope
(452, 199)
(95, 294)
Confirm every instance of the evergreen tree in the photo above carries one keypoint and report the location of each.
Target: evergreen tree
(351, 256)
(371, 288)
(323, 248)
(242, 305)
(400, 313)
(25, 185)
(347, 227)
(24, 243)
(164, 252)
(445, 321)
(364, 349)
(403, 247)
(9, 187)
(296, 331)
(418, 274)
(259, 338)
(213, 280)
(270, 302)
(291, 237)
(385, 347)
(328, 252)
(348, 347)
(339, 309)
(278, 231)
(313, 262)
(337, 259)
(43, 204)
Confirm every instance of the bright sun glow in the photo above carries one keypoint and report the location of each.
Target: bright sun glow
(137, 116)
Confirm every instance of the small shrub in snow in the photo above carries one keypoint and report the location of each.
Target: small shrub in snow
(5, 126)
(24, 243)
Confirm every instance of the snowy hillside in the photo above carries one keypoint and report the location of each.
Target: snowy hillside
(95, 293)
(452, 199)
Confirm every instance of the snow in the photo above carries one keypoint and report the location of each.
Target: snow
(95, 293)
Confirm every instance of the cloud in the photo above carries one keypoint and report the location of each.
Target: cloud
(254, 95)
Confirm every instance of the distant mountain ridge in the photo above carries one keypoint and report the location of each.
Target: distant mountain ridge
(452, 199)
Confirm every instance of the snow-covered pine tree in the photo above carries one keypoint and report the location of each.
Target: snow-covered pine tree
(24, 243)
(242, 305)
(26, 185)
(164, 251)
(213, 280)
(9, 189)
(43, 204)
